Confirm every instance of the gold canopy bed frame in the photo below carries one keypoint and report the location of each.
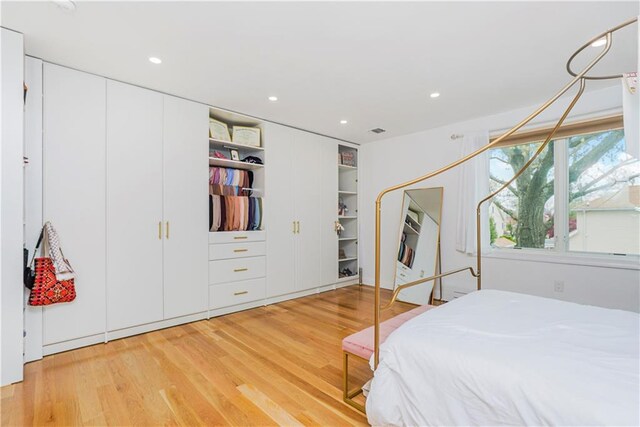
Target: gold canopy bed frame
(579, 78)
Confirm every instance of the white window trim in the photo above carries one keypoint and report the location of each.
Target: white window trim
(560, 253)
(624, 262)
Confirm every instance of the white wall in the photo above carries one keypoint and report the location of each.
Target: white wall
(11, 197)
(389, 162)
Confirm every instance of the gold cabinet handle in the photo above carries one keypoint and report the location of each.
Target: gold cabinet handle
(240, 250)
(298, 227)
(240, 293)
(238, 270)
(240, 237)
(294, 227)
(167, 229)
(160, 230)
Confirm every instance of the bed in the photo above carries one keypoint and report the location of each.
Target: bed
(503, 358)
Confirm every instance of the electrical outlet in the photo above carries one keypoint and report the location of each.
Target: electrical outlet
(558, 286)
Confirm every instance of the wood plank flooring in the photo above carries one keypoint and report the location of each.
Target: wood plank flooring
(275, 365)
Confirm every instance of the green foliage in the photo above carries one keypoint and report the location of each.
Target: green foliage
(493, 233)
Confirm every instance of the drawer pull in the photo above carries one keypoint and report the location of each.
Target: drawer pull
(240, 237)
(240, 250)
(238, 270)
(240, 293)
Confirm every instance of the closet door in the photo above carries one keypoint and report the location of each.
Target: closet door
(134, 206)
(74, 109)
(279, 210)
(329, 206)
(308, 209)
(186, 209)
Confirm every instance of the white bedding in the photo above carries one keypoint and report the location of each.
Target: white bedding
(502, 358)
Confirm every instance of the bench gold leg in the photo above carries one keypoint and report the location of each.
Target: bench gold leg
(347, 395)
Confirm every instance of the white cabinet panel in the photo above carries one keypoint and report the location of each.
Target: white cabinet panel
(308, 209)
(279, 212)
(74, 195)
(186, 173)
(134, 206)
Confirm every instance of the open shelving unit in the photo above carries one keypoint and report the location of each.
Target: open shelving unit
(348, 218)
(224, 147)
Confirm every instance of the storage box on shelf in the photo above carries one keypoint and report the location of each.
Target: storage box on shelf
(221, 146)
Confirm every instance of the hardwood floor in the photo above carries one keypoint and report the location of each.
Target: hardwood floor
(280, 364)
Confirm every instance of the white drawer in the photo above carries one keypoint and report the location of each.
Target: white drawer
(233, 270)
(236, 250)
(236, 236)
(227, 294)
(402, 267)
(402, 275)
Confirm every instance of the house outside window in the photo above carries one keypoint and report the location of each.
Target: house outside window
(581, 195)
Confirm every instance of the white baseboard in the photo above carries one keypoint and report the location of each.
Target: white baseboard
(236, 308)
(141, 329)
(59, 347)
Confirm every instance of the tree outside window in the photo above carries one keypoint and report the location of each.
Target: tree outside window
(600, 201)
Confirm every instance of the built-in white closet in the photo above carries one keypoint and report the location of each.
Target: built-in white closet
(125, 182)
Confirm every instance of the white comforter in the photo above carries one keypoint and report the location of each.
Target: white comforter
(502, 358)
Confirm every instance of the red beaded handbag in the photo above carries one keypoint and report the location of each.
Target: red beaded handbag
(47, 289)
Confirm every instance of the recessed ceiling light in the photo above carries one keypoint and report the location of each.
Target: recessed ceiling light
(155, 60)
(599, 42)
(343, 122)
(273, 98)
(435, 94)
(66, 5)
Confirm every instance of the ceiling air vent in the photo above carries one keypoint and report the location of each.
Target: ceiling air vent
(378, 130)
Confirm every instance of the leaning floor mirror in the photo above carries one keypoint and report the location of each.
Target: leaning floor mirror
(419, 243)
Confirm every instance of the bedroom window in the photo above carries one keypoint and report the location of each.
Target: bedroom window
(582, 194)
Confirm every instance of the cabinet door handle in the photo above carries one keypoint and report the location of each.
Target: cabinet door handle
(167, 229)
(240, 293)
(160, 230)
(294, 227)
(298, 225)
(238, 270)
(240, 237)
(240, 250)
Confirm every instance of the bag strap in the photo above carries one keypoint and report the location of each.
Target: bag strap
(35, 251)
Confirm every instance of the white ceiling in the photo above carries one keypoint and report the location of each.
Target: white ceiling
(371, 63)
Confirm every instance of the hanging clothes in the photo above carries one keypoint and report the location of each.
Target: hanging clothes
(231, 207)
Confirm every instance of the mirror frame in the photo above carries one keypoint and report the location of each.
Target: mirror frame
(438, 261)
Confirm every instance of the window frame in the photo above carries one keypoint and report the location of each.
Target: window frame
(560, 253)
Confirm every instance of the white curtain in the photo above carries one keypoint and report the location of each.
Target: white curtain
(474, 186)
(631, 114)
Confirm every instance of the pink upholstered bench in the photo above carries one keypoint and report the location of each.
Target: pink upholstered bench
(361, 345)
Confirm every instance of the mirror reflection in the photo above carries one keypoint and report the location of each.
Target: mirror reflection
(418, 248)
